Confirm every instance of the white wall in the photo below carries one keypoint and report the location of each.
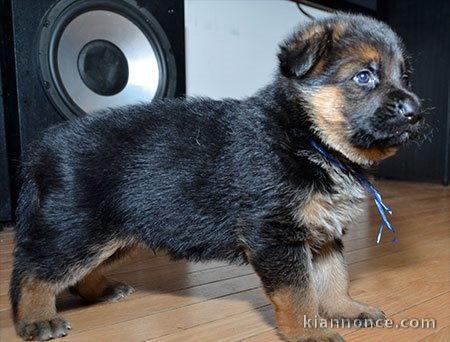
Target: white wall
(231, 45)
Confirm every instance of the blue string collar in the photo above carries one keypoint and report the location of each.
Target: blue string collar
(383, 208)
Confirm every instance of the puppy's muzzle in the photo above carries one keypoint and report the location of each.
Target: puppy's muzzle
(409, 109)
(405, 107)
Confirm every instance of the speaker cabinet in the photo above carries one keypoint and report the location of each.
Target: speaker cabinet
(5, 194)
(5, 190)
(73, 57)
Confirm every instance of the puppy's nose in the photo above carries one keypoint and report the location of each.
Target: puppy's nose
(410, 110)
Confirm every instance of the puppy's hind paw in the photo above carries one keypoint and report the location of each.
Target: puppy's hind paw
(116, 291)
(43, 330)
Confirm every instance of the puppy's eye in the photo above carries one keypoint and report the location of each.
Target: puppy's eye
(363, 77)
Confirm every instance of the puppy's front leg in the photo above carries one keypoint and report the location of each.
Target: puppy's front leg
(286, 273)
(331, 281)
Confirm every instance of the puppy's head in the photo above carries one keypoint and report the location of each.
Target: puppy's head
(351, 76)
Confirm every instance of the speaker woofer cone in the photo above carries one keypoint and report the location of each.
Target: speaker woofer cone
(135, 63)
(103, 67)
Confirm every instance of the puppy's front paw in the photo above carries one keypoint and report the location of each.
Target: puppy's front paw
(369, 317)
(43, 330)
(358, 314)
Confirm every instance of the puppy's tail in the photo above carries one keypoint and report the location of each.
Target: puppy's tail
(26, 212)
(27, 203)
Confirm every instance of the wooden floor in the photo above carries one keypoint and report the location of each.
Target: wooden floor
(179, 301)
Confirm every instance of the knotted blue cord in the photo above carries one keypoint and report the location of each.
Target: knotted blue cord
(382, 207)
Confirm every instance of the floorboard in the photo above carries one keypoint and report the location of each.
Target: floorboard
(181, 301)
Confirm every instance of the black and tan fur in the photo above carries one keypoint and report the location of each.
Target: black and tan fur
(233, 180)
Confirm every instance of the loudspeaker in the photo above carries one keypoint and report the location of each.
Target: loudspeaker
(5, 190)
(73, 57)
(5, 194)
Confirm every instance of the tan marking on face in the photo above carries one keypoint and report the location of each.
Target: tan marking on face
(368, 53)
(363, 53)
(376, 154)
(347, 70)
(327, 105)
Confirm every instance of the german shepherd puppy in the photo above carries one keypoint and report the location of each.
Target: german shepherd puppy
(234, 180)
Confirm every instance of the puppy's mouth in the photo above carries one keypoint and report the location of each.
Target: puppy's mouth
(388, 135)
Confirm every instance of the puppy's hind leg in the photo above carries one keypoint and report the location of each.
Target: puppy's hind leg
(95, 287)
(36, 282)
(34, 310)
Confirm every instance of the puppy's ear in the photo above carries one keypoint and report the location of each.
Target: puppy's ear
(303, 50)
